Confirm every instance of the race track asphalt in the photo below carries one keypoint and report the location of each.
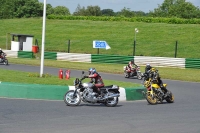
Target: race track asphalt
(40, 116)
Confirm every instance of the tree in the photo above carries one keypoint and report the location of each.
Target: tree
(126, 12)
(6, 9)
(61, 10)
(80, 11)
(107, 12)
(89, 11)
(176, 8)
(93, 11)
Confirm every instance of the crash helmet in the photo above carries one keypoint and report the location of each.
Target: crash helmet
(132, 61)
(92, 70)
(153, 69)
(148, 66)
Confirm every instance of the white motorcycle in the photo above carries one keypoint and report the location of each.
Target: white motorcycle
(133, 72)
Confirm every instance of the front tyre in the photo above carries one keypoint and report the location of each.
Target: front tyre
(151, 99)
(111, 102)
(70, 100)
(5, 62)
(170, 98)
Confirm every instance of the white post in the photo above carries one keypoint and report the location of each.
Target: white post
(43, 39)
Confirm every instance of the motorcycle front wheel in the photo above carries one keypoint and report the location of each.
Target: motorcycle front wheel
(150, 99)
(70, 100)
(111, 102)
(170, 99)
(6, 62)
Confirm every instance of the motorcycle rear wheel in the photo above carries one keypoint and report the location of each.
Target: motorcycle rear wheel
(70, 100)
(150, 99)
(126, 75)
(6, 62)
(170, 99)
(111, 102)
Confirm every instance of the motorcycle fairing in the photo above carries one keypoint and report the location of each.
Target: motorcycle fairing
(156, 86)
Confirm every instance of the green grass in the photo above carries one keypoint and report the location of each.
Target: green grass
(33, 78)
(153, 39)
(166, 73)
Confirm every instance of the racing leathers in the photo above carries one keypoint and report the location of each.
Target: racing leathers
(157, 79)
(97, 80)
(131, 65)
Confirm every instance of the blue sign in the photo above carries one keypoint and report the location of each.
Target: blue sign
(100, 44)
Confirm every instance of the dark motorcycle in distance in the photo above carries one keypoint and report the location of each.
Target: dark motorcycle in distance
(3, 59)
(84, 92)
(133, 72)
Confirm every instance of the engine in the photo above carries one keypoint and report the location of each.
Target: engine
(89, 95)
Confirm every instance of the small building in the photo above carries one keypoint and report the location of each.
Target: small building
(21, 42)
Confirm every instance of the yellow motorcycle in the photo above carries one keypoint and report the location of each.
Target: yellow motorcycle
(155, 94)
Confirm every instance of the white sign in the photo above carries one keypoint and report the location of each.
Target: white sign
(101, 44)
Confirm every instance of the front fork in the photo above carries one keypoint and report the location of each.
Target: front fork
(74, 95)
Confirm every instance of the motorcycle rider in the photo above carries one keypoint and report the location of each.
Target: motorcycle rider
(1, 53)
(147, 68)
(131, 65)
(96, 79)
(147, 71)
(154, 74)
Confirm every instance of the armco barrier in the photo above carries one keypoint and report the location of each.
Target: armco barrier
(25, 54)
(192, 63)
(117, 59)
(99, 58)
(56, 92)
(50, 55)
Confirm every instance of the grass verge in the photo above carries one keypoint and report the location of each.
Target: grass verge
(191, 75)
(33, 78)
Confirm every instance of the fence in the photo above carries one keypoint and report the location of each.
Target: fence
(100, 58)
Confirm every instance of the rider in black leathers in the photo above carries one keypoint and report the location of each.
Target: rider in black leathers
(147, 68)
(157, 79)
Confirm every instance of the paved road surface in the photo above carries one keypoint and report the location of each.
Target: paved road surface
(37, 116)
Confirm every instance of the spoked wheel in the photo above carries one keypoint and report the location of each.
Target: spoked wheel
(70, 100)
(151, 99)
(170, 98)
(111, 102)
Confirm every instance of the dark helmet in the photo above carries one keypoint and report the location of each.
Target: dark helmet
(92, 70)
(148, 66)
(132, 61)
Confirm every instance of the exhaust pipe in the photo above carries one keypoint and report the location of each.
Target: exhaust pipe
(111, 96)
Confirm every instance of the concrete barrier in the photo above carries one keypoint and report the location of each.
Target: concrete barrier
(56, 92)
